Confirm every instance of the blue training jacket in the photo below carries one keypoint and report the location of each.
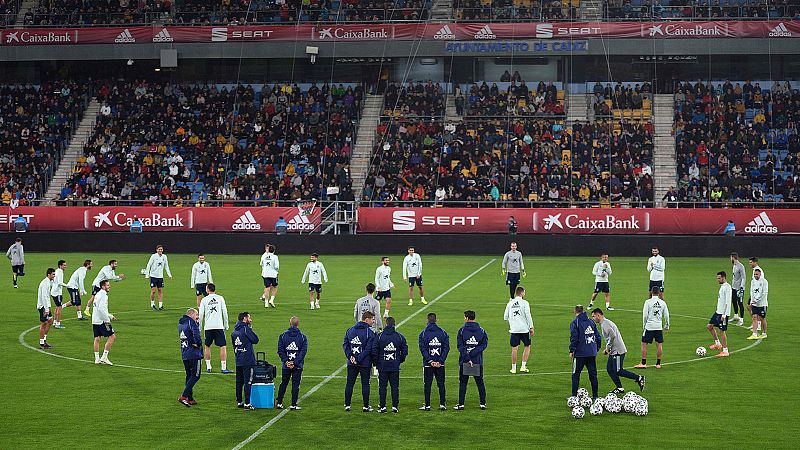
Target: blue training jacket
(292, 346)
(189, 334)
(358, 342)
(472, 341)
(390, 350)
(243, 338)
(584, 340)
(434, 344)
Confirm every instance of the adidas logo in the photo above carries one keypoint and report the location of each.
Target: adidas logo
(472, 341)
(780, 31)
(183, 335)
(163, 36)
(356, 341)
(588, 330)
(291, 346)
(485, 33)
(237, 341)
(434, 342)
(761, 224)
(390, 347)
(125, 37)
(246, 222)
(300, 222)
(444, 33)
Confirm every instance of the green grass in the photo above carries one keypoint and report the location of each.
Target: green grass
(746, 400)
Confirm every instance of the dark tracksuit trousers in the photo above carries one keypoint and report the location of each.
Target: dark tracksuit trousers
(192, 368)
(244, 379)
(615, 370)
(393, 379)
(286, 375)
(577, 367)
(428, 373)
(352, 373)
(462, 386)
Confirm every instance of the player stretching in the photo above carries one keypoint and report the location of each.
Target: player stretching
(156, 266)
(654, 310)
(269, 272)
(720, 317)
(512, 268)
(518, 315)
(315, 272)
(17, 256)
(738, 289)
(601, 271)
(58, 290)
(383, 284)
(106, 273)
(75, 287)
(753, 261)
(412, 271)
(759, 290)
(201, 276)
(656, 266)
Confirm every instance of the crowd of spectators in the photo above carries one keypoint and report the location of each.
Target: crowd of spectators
(36, 123)
(737, 142)
(514, 10)
(521, 162)
(171, 144)
(621, 96)
(8, 12)
(517, 99)
(96, 12)
(414, 100)
(700, 9)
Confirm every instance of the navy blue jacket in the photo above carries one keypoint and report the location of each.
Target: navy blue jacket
(191, 343)
(358, 342)
(584, 340)
(472, 341)
(243, 338)
(434, 344)
(390, 350)
(292, 346)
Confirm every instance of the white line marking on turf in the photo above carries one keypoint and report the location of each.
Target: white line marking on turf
(333, 375)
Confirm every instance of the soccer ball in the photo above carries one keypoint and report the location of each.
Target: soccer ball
(611, 397)
(578, 412)
(701, 351)
(143, 271)
(572, 402)
(629, 394)
(582, 392)
(614, 405)
(600, 401)
(596, 409)
(641, 409)
(586, 402)
(629, 404)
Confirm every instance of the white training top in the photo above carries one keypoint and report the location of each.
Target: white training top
(43, 300)
(269, 265)
(383, 280)
(213, 313)
(58, 283)
(156, 266)
(654, 310)
(656, 266)
(412, 266)
(106, 273)
(724, 299)
(315, 272)
(601, 271)
(100, 314)
(518, 315)
(201, 274)
(759, 291)
(77, 279)
(759, 268)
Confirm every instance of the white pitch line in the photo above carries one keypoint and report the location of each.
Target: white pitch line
(333, 375)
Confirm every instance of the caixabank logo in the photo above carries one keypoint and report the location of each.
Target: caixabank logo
(588, 223)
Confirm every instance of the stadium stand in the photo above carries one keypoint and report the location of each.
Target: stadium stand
(36, 123)
(8, 12)
(513, 99)
(414, 100)
(170, 144)
(700, 10)
(515, 10)
(737, 141)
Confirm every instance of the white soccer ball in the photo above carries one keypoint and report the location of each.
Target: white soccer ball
(611, 397)
(701, 351)
(596, 409)
(578, 412)
(629, 394)
(143, 271)
(572, 402)
(586, 402)
(600, 401)
(582, 392)
(629, 404)
(641, 409)
(614, 405)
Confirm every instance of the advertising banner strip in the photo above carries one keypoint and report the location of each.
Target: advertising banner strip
(579, 221)
(380, 32)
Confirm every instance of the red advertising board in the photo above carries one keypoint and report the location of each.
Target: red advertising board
(387, 32)
(578, 221)
(119, 218)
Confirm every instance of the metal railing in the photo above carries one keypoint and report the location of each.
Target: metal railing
(576, 204)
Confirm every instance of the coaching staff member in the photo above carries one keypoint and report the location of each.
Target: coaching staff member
(243, 338)
(292, 348)
(584, 342)
(191, 352)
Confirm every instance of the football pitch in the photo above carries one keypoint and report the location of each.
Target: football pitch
(60, 398)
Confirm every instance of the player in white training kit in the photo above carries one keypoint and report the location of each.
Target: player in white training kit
(655, 309)
(201, 276)
(412, 271)
(57, 291)
(106, 273)
(43, 305)
(601, 271)
(101, 324)
(520, 323)
(75, 287)
(156, 266)
(214, 323)
(754, 265)
(759, 291)
(738, 275)
(383, 284)
(656, 266)
(269, 272)
(315, 272)
(721, 314)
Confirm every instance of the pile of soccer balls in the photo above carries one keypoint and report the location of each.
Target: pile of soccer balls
(631, 402)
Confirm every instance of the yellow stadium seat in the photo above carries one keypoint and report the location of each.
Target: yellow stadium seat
(608, 102)
(646, 104)
(647, 115)
(532, 197)
(560, 95)
(627, 114)
(617, 113)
